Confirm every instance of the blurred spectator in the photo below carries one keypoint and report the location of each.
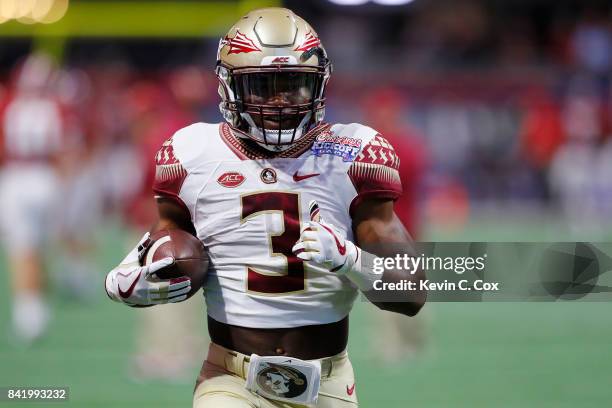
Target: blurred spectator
(591, 42)
(578, 172)
(541, 130)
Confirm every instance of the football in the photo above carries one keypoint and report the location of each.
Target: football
(188, 252)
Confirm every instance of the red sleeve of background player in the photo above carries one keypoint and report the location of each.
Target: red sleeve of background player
(374, 173)
(5, 97)
(169, 174)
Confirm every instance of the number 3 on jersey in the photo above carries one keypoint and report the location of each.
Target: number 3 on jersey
(292, 280)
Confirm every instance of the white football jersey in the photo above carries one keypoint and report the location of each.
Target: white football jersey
(247, 205)
(32, 128)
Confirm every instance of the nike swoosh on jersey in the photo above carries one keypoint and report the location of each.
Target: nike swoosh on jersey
(297, 177)
(128, 292)
(350, 390)
(341, 248)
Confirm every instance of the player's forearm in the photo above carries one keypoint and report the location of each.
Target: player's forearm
(387, 238)
(407, 302)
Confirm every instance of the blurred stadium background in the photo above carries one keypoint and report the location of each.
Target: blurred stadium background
(500, 109)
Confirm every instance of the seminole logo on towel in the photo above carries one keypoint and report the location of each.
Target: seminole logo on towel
(282, 381)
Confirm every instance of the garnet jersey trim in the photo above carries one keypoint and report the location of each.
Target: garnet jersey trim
(247, 150)
(374, 173)
(169, 174)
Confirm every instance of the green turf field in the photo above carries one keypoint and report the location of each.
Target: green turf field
(479, 355)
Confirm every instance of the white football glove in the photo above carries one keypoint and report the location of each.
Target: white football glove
(137, 285)
(322, 243)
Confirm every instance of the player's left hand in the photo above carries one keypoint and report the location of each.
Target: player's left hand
(322, 243)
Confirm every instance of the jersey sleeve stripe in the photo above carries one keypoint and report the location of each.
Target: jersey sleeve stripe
(169, 175)
(374, 173)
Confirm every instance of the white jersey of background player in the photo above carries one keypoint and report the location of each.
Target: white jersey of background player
(32, 129)
(277, 196)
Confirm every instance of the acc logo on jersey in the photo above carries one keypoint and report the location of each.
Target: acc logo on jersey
(346, 147)
(231, 179)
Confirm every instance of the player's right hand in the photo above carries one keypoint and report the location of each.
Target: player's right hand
(140, 286)
(323, 243)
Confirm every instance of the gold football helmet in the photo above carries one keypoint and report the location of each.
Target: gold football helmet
(272, 71)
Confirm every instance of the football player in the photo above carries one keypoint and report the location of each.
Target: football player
(32, 146)
(293, 212)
